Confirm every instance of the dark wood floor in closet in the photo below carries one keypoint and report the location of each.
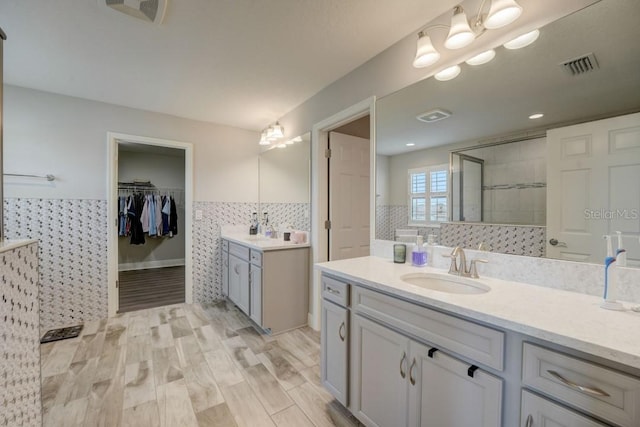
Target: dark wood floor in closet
(154, 287)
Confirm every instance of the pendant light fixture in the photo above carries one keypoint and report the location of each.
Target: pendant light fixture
(482, 58)
(263, 138)
(448, 73)
(460, 34)
(271, 134)
(278, 131)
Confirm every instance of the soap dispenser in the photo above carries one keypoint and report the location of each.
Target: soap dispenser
(253, 228)
(429, 248)
(418, 255)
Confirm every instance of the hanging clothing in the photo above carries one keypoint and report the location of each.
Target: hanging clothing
(151, 204)
(166, 211)
(135, 214)
(158, 205)
(144, 215)
(173, 218)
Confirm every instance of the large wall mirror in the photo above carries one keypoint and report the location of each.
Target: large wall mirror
(498, 158)
(284, 183)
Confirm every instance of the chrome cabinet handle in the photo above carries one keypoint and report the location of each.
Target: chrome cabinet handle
(529, 421)
(341, 331)
(594, 391)
(332, 291)
(411, 379)
(402, 372)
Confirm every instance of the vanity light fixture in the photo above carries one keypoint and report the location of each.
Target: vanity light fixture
(523, 40)
(271, 134)
(263, 138)
(536, 116)
(463, 31)
(448, 73)
(482, 58)
(460, 34)
(410, 144)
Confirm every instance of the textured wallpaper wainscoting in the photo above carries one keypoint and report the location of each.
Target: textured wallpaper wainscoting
(73, 250)
(20, 403)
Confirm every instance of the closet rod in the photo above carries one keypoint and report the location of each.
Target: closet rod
(48, 177)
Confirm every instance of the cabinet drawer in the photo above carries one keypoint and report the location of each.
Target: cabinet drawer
(240, 251)
(225, 245)
(479, 343)
(335, 290)
(256, 257)
(603, 392)
(537, 411)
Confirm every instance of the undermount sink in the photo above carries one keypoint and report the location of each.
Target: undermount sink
(446, 283)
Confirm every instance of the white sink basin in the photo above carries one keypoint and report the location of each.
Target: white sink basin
(446, 283)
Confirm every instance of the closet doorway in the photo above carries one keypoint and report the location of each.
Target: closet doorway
(150, 199)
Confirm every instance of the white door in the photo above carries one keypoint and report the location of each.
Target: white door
(380, 364)
(443, 392)
(593, 172)
(334, 340)
(348, 196)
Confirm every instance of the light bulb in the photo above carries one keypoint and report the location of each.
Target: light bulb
(448, 73)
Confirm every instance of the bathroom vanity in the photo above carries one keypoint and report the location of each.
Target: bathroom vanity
(501, 354)
(268, 279)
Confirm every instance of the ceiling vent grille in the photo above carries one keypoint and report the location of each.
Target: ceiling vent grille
(146, 10)
(581, 65)
(433, 115)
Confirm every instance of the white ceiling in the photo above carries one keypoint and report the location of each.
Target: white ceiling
(242, 63)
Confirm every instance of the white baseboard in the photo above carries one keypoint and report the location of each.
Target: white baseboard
(312, 323)
(151, 264)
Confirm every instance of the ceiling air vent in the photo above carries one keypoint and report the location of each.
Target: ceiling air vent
(433, 115)
(147, 10)
(580, 65)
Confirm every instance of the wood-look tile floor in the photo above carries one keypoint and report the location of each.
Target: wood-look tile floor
(186, 365)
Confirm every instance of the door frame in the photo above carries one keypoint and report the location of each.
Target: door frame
(113, 139)
(320, 191)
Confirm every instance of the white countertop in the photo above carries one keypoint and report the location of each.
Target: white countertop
(262, 243)
(7, 245)
(566, 318)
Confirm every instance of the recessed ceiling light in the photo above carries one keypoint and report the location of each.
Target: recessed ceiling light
(482, 58)
(448, 73)
(410, 144)
(536, 116)
(523, 40)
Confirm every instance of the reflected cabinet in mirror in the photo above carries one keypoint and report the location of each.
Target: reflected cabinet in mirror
(540, 158)
(284, 185)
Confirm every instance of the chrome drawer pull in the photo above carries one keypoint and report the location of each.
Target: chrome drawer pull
(332, 291)
(341, 331)
(529, 421)
(588, 390)
(402, 372)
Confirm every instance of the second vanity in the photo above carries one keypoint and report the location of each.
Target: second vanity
(399, 354)
(267, 279)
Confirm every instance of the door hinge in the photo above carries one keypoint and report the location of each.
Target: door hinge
(327, 225)
(117, 283)
(327, 153)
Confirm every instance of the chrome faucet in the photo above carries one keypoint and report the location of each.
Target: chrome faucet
(461, 269)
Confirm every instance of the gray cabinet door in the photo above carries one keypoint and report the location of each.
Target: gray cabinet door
(334, 343)
(442, 392)
(255, 294)
(239, 282)
(379, 379)
(538, 412)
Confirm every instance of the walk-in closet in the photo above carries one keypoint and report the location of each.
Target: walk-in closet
(151, 218)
